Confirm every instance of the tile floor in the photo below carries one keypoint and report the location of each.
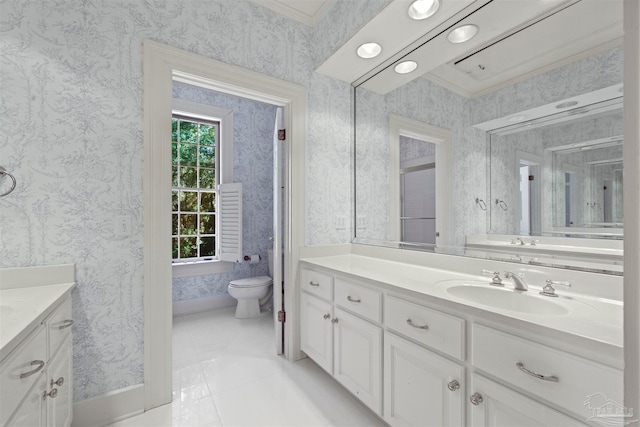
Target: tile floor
(226, 373)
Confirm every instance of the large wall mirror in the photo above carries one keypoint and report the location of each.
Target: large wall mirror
(508, 146)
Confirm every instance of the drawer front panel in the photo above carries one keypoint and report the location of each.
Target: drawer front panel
(359, 299)
(435, 329)
(564, 379)
(316, 283)
(29, 357)
(59, 326)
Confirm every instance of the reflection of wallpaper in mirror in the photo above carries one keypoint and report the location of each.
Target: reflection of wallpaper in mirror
(540, 142)
(425, 101)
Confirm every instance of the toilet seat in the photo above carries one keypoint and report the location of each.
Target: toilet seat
(251, 282)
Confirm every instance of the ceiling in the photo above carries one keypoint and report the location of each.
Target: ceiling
(516, 40)
(308, 12)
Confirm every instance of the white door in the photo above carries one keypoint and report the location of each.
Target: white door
(358, 358)
(316, 330)
(493, 405)
(421, 387)
(278, 195)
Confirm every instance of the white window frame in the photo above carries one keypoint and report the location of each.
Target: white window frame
(224, 173)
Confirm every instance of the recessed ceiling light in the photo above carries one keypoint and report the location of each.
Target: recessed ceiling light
(369, 50)
(405, 67)
(463, 33)
(566, 104)
(422, 9)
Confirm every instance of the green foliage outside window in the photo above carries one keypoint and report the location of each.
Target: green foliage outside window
(193, 150)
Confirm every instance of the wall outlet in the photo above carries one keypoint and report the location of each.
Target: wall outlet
(341, 222)
(122, 226)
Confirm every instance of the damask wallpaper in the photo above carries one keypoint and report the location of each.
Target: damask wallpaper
(71, 133)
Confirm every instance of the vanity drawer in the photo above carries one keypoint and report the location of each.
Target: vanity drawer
(359, 299)
(29, 357)
(497, 353)
(432, 328)
(316, 283)
(59, 326)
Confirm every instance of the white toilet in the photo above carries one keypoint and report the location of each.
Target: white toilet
(251, 292)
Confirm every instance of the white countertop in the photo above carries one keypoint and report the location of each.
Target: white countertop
(22, 309)
(596, 319)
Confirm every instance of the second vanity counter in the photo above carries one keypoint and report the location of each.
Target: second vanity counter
(389, 331)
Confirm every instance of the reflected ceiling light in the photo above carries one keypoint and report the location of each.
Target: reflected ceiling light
(405, 67)
(566, 104)
(422, 9)
(515, 119)
(463, 33)
(369, 50)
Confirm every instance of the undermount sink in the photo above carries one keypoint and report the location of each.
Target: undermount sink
(503, 298)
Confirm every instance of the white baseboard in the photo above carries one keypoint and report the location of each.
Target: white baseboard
(109, 408)
(203, 304)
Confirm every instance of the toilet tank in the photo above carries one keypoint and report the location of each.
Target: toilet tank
(270, 259)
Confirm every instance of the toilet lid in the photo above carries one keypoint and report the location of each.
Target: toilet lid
(251, 282)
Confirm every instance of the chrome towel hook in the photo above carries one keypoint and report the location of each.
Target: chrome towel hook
(481, 204)
(502, 204)
(3, 174)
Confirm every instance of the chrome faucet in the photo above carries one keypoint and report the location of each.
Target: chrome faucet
(518, 281)
(518, 241)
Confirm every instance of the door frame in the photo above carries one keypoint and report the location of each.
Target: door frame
(404, 126)
(162, 65)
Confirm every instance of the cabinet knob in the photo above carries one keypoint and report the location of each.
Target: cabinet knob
(57, 382)
(453, 385)
(334, 320)
(326, 316)
(52, 394)
(475, 398)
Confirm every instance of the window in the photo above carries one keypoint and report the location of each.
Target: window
(195, 143)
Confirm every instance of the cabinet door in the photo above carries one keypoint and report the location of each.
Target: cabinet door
(358, 358)
(32, 410)
(503, 407)
(60, 403)
(417, 386)
(316, 331)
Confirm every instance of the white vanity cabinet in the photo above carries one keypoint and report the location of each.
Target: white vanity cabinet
(493, 405)
(36, 376)
(347, 344)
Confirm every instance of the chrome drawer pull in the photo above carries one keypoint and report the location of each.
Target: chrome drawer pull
(410, 323)
(314, 284)
(476, 399)
(40, 364)
(551, 378)
(326, 316)
(453, 385)
(66, 324)
(59, 382)
(53, 393)
(352, 300)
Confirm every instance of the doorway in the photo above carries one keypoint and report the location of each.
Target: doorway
(162, 65)
(530, 194)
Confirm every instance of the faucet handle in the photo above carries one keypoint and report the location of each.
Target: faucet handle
(550, 291)
(496, 280)
(534, 242)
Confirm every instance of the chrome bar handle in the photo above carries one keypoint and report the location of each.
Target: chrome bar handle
(551, 378)
(410, 323)
(352, 300)
(66, 324)
(40, 365)
(311, 283)
(476, 399)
